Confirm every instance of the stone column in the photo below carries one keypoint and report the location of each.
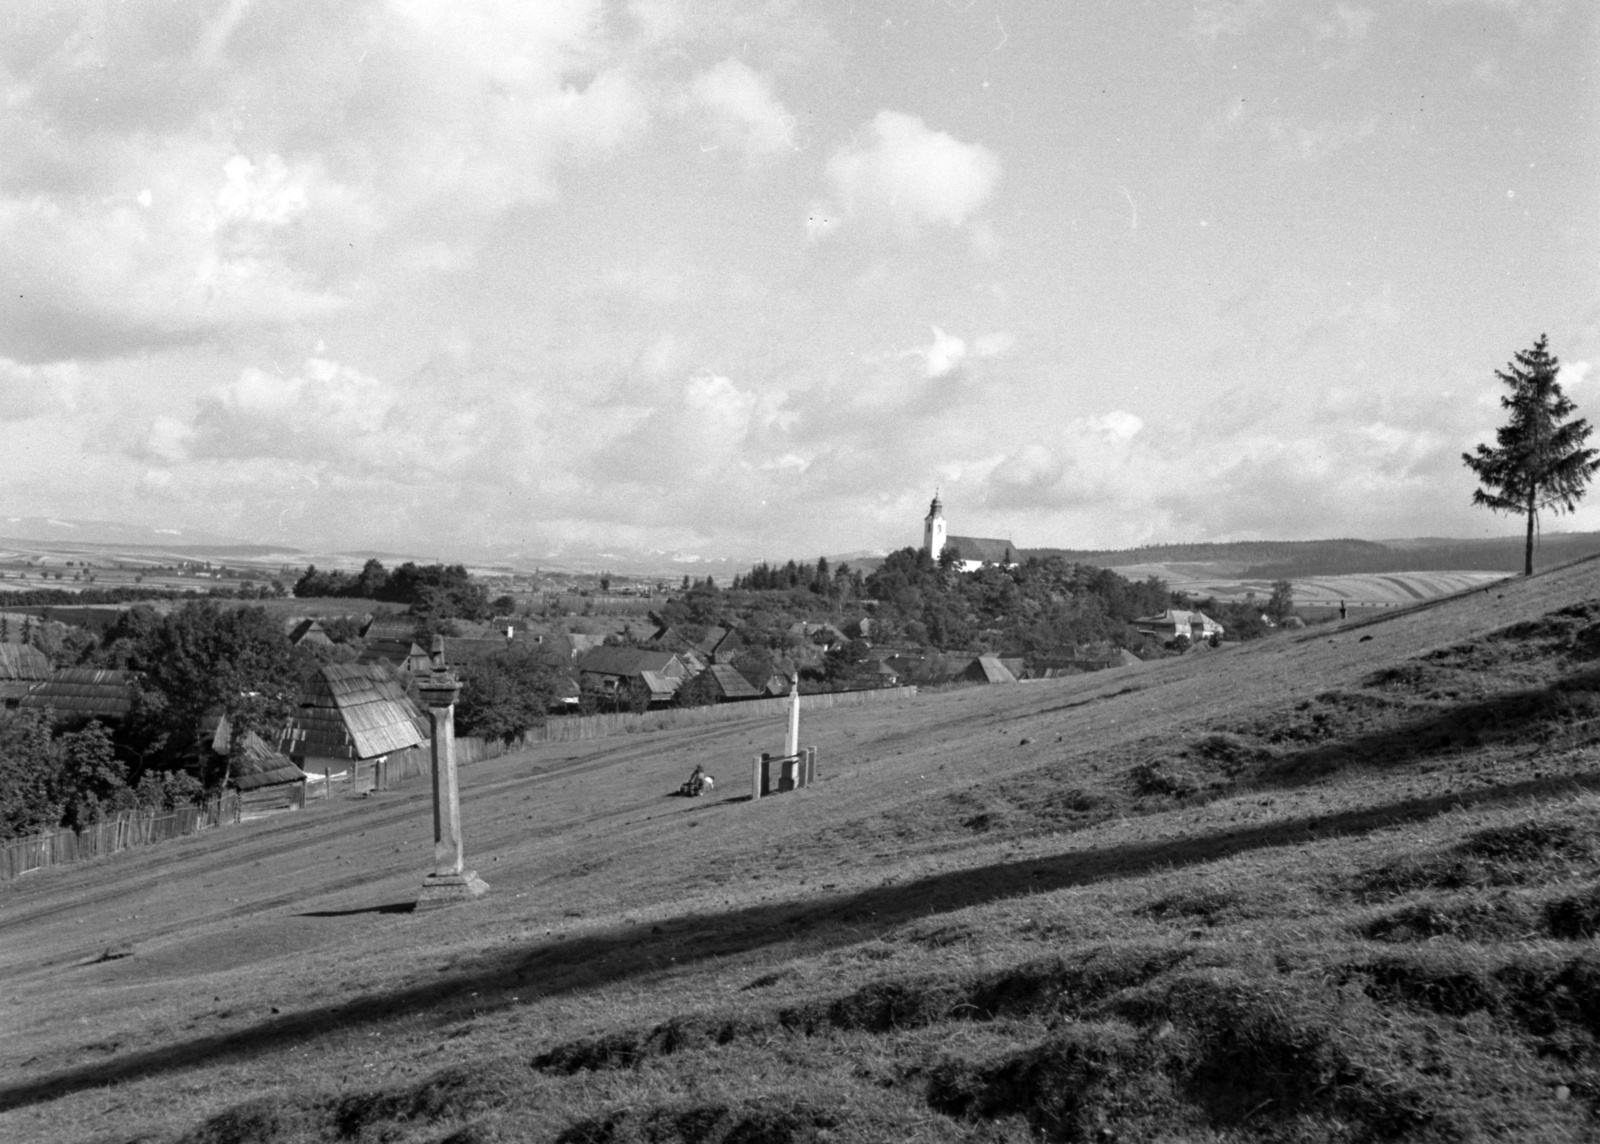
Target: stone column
(450, 881)
(793, 745)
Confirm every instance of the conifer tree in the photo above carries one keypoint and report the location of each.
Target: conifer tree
(1539, 462)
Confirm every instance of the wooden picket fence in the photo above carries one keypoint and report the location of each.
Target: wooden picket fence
(127, 829)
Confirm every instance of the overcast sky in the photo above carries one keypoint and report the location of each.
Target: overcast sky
(741, 278)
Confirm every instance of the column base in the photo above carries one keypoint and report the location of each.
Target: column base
(447, 889)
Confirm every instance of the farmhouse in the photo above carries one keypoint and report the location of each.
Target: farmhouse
(351, 713)
(607, 669)
(1175, 622)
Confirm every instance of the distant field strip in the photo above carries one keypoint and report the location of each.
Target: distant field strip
(1370, 589)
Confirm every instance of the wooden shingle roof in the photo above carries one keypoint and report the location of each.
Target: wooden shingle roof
(24, 662)
(260, 766)
(85, 693)
(353, 711)
(624, 660)
(731, 683)
(22, 668)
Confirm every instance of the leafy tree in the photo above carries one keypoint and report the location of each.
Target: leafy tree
(698, 691)
(199, 659)
(94, 781)
(30, 774)
(1539, 462)
(505, 693)
(1280, 605)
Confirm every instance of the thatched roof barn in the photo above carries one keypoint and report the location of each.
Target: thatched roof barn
(84, 693)
(353, 711)
(22, 668)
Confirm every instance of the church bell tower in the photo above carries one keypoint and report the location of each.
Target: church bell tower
(934, 530)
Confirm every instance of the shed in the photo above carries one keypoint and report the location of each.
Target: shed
(22, 668)
(266, 779)
(82, 693)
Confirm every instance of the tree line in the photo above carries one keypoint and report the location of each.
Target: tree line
(443, 591)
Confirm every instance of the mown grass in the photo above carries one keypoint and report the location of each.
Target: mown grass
(1363, 913)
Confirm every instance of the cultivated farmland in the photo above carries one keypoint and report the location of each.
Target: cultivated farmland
(1365, 590)
(1334, 885)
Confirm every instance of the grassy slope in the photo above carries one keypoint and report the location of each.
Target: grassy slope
(1336, 886)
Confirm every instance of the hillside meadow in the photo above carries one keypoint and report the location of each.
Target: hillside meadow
(1333, 885)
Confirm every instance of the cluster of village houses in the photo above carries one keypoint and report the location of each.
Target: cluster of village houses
(353, 714)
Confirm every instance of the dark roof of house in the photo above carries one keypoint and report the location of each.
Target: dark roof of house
(353, 711)
(731, 683)
(992, 670)
(309, 631)
(461, 649)
(260, 766)
(624, 660)
(389, 628)
(984, 548)
(85, 693)
(394, 652)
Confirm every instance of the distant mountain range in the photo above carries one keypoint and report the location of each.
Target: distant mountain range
(1246, 559)
(50, 529)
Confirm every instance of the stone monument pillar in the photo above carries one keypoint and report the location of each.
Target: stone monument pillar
(450, 881)
(792, 746)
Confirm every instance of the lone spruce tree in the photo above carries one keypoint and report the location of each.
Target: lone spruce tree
(1539, 462)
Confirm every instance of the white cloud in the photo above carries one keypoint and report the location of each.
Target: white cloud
(323, 413)
(167, 178)
(1574, 374)
(944, 356)
(995, 344)
(743, 111)
(912, 174)
(30, 391)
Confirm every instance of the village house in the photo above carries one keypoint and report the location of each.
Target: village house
(608, 669)
(351, 714)
(1175, 622)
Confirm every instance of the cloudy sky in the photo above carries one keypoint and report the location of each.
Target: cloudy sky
(752, 278)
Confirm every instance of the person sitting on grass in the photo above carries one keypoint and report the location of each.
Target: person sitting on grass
(699, 782)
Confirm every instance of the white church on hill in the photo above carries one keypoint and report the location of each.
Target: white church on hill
(971, 552)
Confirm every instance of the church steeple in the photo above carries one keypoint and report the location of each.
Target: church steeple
(934, 530)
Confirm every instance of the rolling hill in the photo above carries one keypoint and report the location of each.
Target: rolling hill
(1334, 885)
